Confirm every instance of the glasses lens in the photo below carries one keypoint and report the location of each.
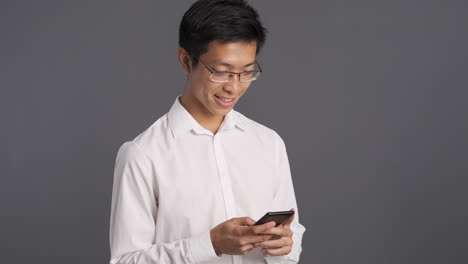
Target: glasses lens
(227, 77)
(249, 76)
(220, 77)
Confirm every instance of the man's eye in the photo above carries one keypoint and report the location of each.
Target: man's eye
(220, 73)
(223, 73)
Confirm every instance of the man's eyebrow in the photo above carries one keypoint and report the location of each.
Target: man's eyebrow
(229, 65)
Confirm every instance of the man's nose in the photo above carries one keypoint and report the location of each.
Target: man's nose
(234, 84)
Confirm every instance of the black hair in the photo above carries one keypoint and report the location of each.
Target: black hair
(222, 20)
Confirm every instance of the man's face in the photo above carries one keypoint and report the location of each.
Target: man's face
(207, 95)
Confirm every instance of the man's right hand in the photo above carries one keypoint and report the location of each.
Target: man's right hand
(237, 235)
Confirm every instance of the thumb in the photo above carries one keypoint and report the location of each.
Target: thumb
(246, 221)
(288, 221)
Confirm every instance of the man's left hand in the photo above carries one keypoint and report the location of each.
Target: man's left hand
(281, 243)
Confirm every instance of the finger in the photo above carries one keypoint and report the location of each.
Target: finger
(288, 221)
(245, 249)
(277, 251)
(258, 229)
(279, 231)
(274, 237)
(252, 239)
(277, 243)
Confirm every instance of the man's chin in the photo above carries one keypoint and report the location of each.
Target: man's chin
(220, 111)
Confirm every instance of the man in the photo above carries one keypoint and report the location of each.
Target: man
(190, 187)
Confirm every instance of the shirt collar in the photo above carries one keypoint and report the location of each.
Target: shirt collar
(181, 121)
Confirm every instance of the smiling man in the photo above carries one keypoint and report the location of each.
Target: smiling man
(189, 188)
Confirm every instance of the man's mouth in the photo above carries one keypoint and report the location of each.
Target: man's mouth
(224, 102)
(225, 99)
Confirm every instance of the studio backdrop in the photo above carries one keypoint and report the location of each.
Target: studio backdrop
(370, 98)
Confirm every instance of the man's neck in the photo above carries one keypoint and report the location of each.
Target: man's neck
(201, 115)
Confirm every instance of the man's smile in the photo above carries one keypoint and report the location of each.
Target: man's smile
(225, 101)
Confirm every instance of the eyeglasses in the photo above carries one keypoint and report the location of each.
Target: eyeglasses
(226, 76)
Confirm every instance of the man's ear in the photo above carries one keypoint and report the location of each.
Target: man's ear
(184, 60)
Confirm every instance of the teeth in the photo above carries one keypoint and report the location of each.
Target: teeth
(224, 99)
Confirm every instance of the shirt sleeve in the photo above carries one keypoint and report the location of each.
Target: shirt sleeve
(283, 200)
(133, 217)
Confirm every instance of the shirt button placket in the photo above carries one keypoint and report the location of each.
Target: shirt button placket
(226, 184)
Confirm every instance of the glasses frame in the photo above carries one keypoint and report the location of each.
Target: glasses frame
(258, 72)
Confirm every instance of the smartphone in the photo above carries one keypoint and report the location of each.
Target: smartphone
(278, 217)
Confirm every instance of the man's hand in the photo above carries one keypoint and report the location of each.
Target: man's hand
(282, 242)
(237, 236)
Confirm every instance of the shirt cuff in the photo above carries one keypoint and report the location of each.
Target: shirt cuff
(277, 259)
(201, 248)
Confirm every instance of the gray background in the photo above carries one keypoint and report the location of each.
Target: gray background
(369, 96)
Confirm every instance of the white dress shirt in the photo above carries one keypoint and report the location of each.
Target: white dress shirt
(176, 181)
